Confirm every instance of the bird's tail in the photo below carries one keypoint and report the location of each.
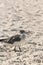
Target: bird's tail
(3, 40)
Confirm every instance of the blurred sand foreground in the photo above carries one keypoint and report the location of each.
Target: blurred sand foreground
(16, 15)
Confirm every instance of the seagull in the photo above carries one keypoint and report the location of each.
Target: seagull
(13, 39)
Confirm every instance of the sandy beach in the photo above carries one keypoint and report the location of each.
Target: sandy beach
(17, 15)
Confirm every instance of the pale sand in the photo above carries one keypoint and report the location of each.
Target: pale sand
(16, 15)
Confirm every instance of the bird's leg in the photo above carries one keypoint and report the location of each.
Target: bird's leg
(20, 49)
